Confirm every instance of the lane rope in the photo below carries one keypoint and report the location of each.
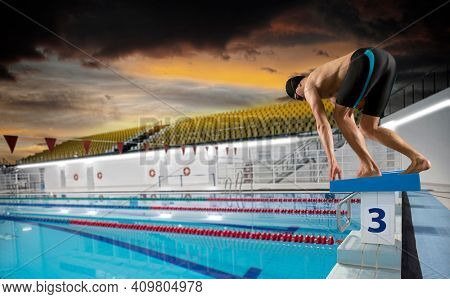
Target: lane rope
(186, 209)
(232, 199)
(222, 233)
(282, 199)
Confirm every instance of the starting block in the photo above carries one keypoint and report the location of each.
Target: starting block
(378, 202)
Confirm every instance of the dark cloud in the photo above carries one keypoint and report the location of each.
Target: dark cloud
(290, 39)
(249, 53)
(224, 56)
(320, 52)
(113, 29)
(368, 23)
(91, 64)
(269, 69)
(47, 107)
(5, 75)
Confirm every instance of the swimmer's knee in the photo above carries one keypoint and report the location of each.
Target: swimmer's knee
(368, 129)
(342, 113)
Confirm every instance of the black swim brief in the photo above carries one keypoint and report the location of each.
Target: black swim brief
(368, 82)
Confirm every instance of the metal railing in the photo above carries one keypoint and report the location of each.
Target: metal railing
(18, 182)
(299, 170)
(164, 179)
(239, 179)
(346, 200)
(306, 155)
(433, 81)
(228, 182)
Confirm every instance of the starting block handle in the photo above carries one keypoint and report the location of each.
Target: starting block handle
(343, 226)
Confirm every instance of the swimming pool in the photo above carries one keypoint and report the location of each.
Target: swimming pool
(265, 235)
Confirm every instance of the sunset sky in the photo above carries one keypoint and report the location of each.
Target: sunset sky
(197, 56)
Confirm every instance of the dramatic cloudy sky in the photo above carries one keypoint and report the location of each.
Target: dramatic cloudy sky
(196, 56)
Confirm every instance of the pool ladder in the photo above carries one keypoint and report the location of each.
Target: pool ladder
(346, 200)
(237, 183)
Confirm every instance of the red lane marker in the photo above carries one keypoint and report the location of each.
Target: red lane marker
(278, 237)
(282, 199)
(249, 210)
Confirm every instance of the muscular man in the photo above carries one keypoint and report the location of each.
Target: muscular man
(360, 80)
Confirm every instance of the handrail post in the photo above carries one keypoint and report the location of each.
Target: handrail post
(318, 164)
(273, 173)
(347, 200)
(446, 74)
(228, 179)
(434, 82)
(240, 179)
(404, 98)
(423, 89)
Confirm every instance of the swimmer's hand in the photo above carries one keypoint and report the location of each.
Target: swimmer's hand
(335, 171)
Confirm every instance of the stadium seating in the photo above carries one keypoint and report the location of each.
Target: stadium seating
(271, 120)
(283, 119)
(100, 144)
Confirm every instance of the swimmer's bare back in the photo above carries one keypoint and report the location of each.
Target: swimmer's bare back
(328, 77)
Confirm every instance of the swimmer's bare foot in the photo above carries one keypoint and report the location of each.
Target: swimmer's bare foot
(418, 164)
(368, 171)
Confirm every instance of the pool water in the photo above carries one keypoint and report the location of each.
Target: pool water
(38, 248)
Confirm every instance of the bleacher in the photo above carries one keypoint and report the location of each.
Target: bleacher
(100, 144)
(289, 118)
(280, 119)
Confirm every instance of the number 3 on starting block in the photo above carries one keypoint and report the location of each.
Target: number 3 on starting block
(378, 218)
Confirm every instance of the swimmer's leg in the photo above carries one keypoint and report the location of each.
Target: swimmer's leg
(370, 129)
(346, 122)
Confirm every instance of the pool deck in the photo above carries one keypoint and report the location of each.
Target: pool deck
(431, 221)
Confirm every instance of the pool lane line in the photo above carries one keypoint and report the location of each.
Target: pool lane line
(185, 209)
(282, 199)
(183, 263)
(145, 221)
(131, 199)
(195, 199)
(249, 210)
(252, 273)
(222, 233)
(278, 229)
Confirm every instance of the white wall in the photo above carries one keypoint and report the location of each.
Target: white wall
(130, 171)
(426, 126)
(208, 168)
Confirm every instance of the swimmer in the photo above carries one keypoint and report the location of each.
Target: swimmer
(360, 80)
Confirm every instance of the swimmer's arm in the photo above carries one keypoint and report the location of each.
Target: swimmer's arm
(323, 126)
